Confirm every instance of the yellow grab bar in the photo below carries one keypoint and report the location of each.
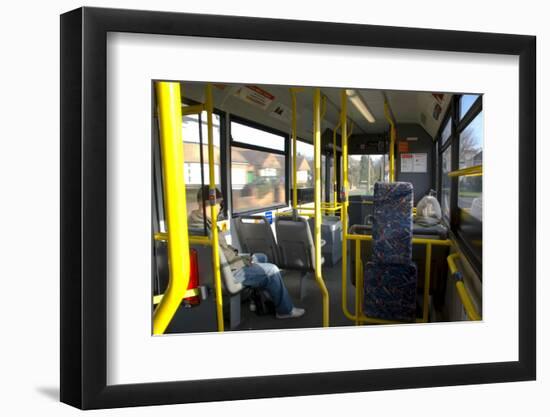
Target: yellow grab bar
(317, 201)
(195, 109)
(170, 118)
(293, 92)
(201, 240)
(359, 316)
(334, 180)
(344, 198)
(461, 289)
(209, 105)
(392, 140)
(474, 171)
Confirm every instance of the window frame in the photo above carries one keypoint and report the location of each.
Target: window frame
(158, 177)
(457, 127)
(231, 142)
(299, 139)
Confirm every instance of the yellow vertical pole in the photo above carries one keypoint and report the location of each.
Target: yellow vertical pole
(427, 275)
(213, 209)
(169, 104)
(392, 141)
(358, 282)
(294, 150)
(334, 173)
(317, 202)
(344, 209)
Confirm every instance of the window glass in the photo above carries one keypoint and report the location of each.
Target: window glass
(192, 156)
(363, 172)
(467, 101)
(252, 136)
(304, 165)
(446, 134)
(330, 179)
(257, 179)
(470, 195)
(446, 183)
(471, 143)
(305, 171)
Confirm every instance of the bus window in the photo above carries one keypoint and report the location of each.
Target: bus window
(446, 134)
(258, 164)
(446, 183)
(466, 102)
(194, 175)
(304, 171)
(364, 171)
(471, 154)
(471, 144)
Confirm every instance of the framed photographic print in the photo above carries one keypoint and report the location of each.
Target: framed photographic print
(256, 208)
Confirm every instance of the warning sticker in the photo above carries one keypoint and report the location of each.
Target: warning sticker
(256, 96)
(414, 162)
(281, 112)
(403, 146)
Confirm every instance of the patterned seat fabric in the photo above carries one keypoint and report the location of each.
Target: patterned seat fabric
(392, 225)
(391, 277)
(390, 291)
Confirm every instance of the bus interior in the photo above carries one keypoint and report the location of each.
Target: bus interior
(368, 201)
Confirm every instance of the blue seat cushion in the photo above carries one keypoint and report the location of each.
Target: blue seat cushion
(390, 291)
(392, 224)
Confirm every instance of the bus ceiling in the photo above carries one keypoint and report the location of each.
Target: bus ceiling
(271, 105)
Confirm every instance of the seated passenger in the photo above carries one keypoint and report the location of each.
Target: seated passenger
(252, 271)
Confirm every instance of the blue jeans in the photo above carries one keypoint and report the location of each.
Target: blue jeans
(266, 276)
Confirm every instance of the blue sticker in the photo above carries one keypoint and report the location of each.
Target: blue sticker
(269, 216)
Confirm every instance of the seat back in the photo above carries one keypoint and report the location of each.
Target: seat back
(256, 236)
(295, 244)
(229, 283)
(391, 278)
(392, 223)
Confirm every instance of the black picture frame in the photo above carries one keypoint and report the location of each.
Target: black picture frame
(84, 207)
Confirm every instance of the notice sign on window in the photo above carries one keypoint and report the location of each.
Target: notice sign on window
(414, 162)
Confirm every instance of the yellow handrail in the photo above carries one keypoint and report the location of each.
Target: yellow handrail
(344, 198)
(358, 282)
(201, 240)
(474, 171)
(209, 105)
(334, 176)
(461, 289)
(293, 92)
(317, 201)
(427, 278)
(392, 140)
(170, 118)
(189, 293)
(359, 317)
(194, 109)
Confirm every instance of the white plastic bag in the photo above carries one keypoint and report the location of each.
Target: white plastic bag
(428, 211)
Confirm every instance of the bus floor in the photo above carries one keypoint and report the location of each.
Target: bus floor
(203, 317)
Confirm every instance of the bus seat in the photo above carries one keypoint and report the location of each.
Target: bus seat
(391, 277)
(331, 234)
(296, 246)
(295, 243)
(256, 236)
(233, 288)
(392, 225)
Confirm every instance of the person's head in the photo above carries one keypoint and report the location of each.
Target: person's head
(203, 197)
